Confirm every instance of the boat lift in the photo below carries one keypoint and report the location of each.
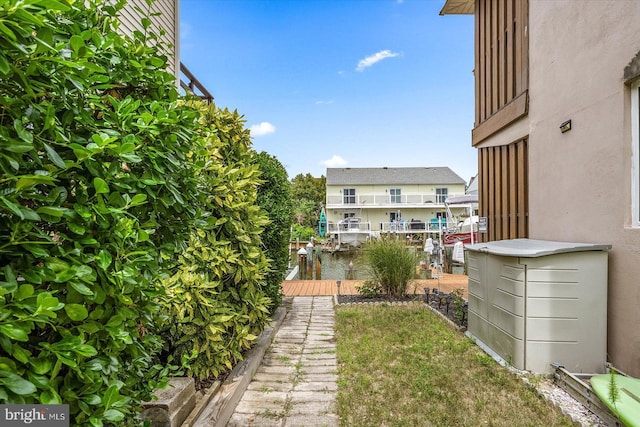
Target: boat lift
(456, 229)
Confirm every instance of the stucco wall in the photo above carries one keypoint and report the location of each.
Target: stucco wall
(579, 181)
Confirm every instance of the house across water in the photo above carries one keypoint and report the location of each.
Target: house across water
(364, 202)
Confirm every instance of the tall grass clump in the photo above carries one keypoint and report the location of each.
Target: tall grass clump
(392, 264)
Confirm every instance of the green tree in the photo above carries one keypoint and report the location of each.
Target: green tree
(307, 187)
(274, 196)
(309, 194)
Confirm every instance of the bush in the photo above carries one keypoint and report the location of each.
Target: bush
(369, 289)
(97, 192)
(392, 264)
(274, 196)
(301, 232)
(216, 300)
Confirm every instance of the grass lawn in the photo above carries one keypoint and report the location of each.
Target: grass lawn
(404, 366)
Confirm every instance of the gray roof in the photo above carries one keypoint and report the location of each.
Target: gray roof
(392, 176)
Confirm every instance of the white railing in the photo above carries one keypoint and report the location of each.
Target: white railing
(393, 226)
(409, 227)
(347, 226)
(365, 200)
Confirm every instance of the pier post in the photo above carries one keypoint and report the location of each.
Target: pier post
(309, 261)
(302, 263)
(318, 260)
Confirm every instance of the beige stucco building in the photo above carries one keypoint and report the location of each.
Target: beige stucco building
(557, 131)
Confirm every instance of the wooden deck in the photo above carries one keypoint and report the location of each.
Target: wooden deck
(329, 287)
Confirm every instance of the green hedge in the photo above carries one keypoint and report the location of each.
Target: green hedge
(274, 197)
(107, 178)
(217, 300)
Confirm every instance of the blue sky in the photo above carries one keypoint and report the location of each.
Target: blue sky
(339, 83)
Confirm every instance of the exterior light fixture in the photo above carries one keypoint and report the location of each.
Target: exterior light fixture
(566, 126)
(338, 283)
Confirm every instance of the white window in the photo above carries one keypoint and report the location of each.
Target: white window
(395, 195)
(441, 195)
(349, 196)
(635, 148)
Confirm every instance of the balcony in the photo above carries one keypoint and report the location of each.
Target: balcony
(388, 201)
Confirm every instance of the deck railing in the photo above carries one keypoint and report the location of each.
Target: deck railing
(365, 200)
(346, 227)
(393, 226)
(193, 84)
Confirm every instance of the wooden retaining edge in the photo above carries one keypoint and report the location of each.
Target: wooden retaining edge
(218, 405)
(173, 403)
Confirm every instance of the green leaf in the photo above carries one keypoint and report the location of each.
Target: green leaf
(29, 214)
(76, 42)
(15, 332)
(104, 259)
(18, 147)
(100, 185)
(113, 415)
(47, 302)
(76, 228)
(138, 199)
(11, 284)
(41, 365)
(50, 397)
(81, 288)
(7, 32)
(54, 5)
(23, 134)
(16, 384)
(85, 350)
(86, 273)
(11, 206)
(52, 211)
(76, 312)
(54, 157)
(4, 65)
(37, 251)
(24, 291)
(111, 396)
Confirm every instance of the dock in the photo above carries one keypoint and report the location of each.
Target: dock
(447, 283)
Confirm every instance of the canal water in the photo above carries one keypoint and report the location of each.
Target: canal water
(335, 266)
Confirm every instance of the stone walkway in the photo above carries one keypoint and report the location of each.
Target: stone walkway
(295, 384)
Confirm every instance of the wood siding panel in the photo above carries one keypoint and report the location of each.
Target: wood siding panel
(502, 56)
(503, 188)
(495, 87)
(505, 207)
(513, 195)
(166, 21)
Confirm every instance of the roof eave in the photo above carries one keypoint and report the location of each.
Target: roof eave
(458, 7)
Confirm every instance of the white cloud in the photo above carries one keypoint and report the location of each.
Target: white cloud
(324, 102)
(264, 128)
(333, 162)
(376, 57)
